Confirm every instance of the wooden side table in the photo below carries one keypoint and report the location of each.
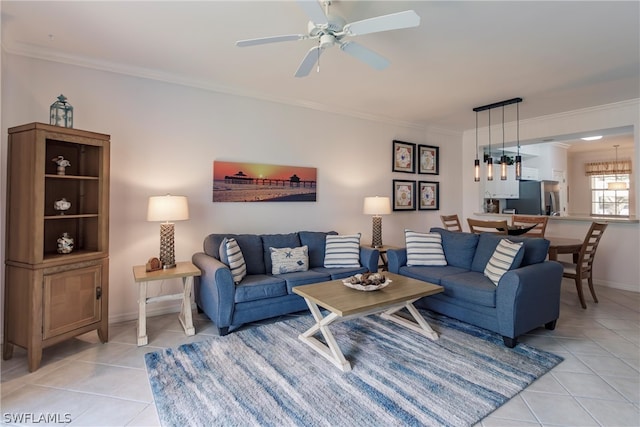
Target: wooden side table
(382, 250)
(185, 270)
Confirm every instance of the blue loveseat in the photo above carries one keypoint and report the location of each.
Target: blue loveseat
(262, 295)
(526, 297)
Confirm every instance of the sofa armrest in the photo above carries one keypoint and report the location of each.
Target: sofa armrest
(528, 297)
(214, 290)
(396, 259)
(369, 258)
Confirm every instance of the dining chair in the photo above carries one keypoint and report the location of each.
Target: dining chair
(451, 222)
(526, 221)
(582, 266)
(482, 226)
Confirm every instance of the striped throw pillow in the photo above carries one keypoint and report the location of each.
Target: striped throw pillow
(424, 248)
(502, 259)
(342, 251)
(231, 255)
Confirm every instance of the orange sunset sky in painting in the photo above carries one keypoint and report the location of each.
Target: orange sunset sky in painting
(259, 170)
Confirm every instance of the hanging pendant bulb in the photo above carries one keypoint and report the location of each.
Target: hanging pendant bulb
(518, 156)
(503, 158)
(476, 163)
(490, 160)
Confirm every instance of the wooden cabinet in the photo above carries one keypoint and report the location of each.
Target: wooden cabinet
(50, 295)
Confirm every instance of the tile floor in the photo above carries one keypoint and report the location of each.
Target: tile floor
(83, 382)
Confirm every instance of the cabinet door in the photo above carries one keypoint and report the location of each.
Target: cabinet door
(71, 299)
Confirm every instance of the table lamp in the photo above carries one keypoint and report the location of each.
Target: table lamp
(167, 208)
(376, 206)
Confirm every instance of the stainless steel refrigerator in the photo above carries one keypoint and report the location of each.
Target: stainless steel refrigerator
(537, 198)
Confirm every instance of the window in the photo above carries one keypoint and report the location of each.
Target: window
(609, 202)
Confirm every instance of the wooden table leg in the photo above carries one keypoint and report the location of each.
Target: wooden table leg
(329, 351)
(142, 314)
(185, 317)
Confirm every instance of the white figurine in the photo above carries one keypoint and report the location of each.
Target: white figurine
(62, 163)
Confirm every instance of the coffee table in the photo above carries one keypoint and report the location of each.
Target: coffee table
(345, 303)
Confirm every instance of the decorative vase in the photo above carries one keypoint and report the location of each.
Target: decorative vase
(65, 244)
(61, 205)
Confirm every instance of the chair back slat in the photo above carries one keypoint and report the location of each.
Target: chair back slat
(482, 226)
(540, 223)
(590, 245)
(451, 222)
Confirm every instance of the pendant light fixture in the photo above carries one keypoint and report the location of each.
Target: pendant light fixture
(476, 163)
(503, 158)
(518, 157)
(616, 185)
(490, 159)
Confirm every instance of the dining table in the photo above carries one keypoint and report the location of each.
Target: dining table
(563, 245)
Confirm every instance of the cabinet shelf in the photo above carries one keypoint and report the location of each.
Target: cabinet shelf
(71, 177)
(67, 216)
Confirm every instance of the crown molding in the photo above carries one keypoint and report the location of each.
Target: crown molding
(35, 52)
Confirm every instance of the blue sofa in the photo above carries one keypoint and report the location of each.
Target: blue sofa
(526, 297)
(262, 295)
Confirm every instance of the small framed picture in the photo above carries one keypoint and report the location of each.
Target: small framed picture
(404, 157)
(429, 193)
(404, 195)
(428, 159)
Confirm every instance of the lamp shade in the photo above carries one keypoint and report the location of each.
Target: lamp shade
(376, 206)
(617, 185)
(167, 208)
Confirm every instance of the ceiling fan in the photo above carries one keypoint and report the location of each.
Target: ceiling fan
(332, 30)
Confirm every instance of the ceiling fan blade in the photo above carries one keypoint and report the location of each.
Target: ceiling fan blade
(314, 11)
(273, 39)
(365, 55)
(394, 21)
(309, 61)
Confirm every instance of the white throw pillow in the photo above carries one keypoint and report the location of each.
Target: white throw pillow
(288, 260)
(231, 255)
(502, 259)
(424, 248)
(342, 251)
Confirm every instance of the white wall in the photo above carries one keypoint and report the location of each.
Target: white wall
(617, 262)
(165, 137)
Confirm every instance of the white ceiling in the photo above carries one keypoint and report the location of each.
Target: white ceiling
(558, 56)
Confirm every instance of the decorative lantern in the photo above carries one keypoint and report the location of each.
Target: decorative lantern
(61, 113)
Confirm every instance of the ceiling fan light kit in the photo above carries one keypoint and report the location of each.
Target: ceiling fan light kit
(330, 30)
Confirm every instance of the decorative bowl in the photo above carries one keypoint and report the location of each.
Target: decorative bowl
(360, 282)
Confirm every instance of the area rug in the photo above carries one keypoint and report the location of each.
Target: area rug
(265, 376)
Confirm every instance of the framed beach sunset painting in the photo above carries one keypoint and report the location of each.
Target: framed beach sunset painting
(257, 182)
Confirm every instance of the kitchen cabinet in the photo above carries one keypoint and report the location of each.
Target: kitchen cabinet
(57, 237)
(499, 189)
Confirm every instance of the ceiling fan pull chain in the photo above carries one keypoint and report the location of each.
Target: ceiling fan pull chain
(318, 63)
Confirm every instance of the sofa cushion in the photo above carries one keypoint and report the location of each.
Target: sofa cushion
(231, 255)
(470, 286)
(291, 240)
(315, 240)
(250, 245)
(459, 248)
(503, 259)
(259, 286)
(289, 260)
(487, 246)
(303, 278)
(342, 250)
(424, 248)
(431, 274)
(341, 273)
